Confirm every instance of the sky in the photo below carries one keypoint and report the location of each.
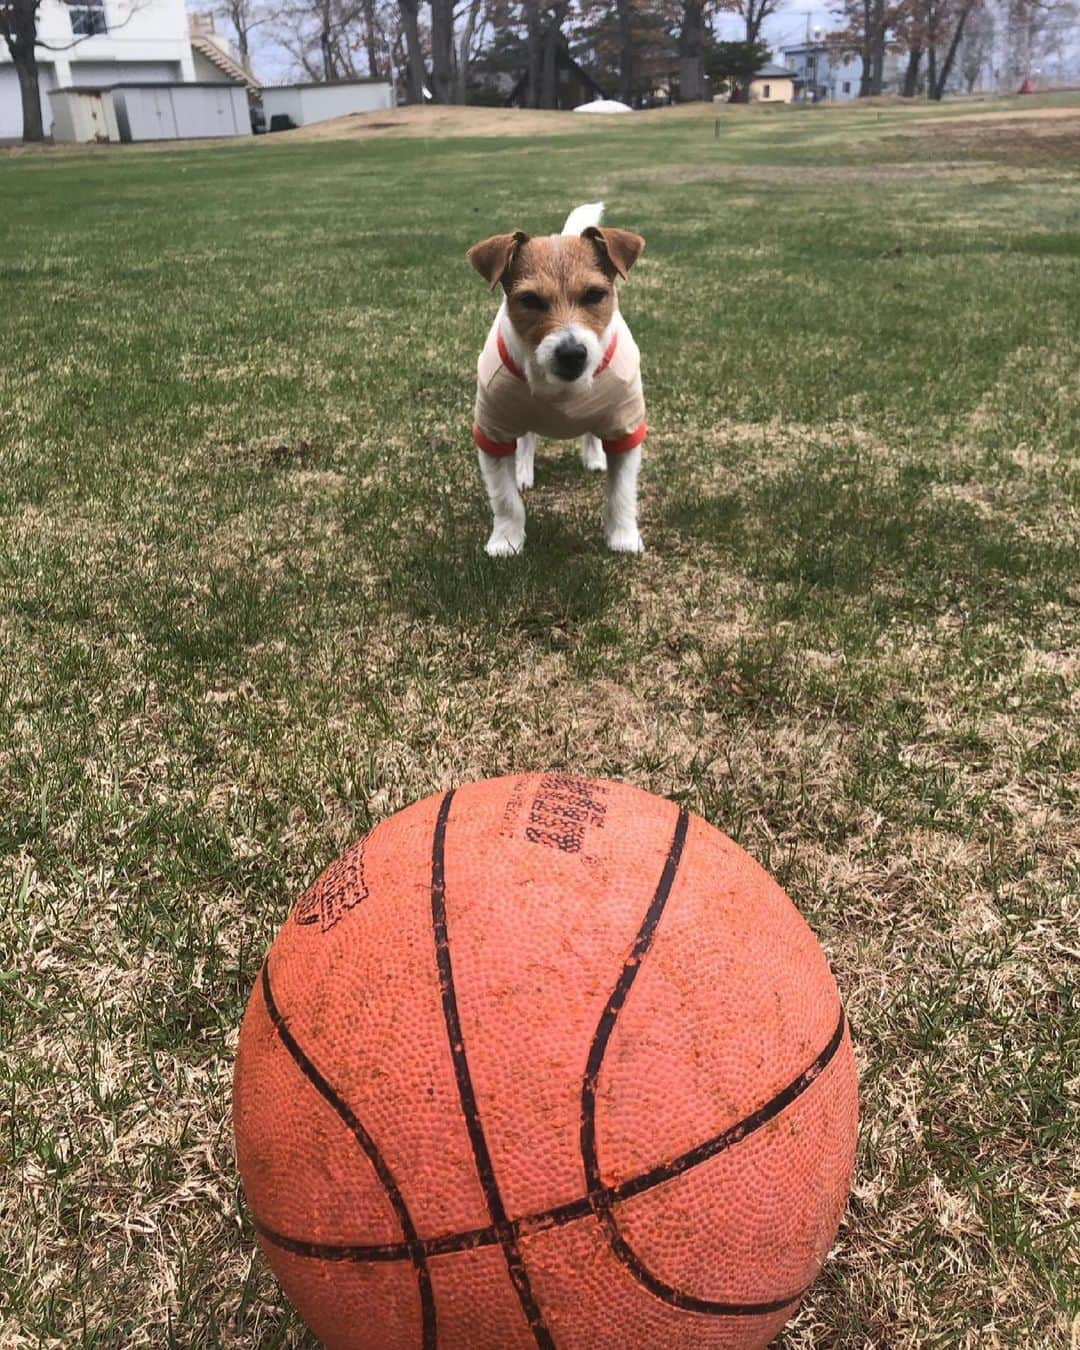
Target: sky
(785, 28)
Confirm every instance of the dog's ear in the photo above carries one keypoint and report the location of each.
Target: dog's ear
(618, 248)
(492, 257)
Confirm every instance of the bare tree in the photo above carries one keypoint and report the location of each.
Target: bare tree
(868, 23)
(976, 47)
(410, 23)
(534, 41)
(372, 38)
(545, 46)
(753, 14)
(471, 25)
(692, 52)
(625, 11)
(326, 38)
(1034, 30)
(442, 50)
(244, 16)
(959, 18)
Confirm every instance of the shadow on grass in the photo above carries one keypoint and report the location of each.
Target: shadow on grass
(826, 532)
(209, 624)
(561, 583)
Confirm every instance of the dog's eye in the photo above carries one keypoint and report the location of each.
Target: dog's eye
(531, 300)
(595, 295)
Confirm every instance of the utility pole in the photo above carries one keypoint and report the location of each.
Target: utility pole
(808, 14)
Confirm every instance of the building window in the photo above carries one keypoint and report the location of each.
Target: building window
(88, 18)
(765, 92)
(811, 65)
(847, 86)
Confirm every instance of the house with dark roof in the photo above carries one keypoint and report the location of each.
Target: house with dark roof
(772, 84)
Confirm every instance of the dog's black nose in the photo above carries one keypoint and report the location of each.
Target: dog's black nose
(570, 358)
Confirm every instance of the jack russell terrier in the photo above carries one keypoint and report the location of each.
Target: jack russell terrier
(559, 361)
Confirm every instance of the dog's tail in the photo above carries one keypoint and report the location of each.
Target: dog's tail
(581, 217)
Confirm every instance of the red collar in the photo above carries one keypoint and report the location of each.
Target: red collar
(606, 358)
(507, 360)
(515, 370)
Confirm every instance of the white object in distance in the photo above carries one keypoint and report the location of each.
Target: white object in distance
(604, 105)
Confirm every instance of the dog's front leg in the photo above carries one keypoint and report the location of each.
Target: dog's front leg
(620, 502)
(523, 459)
(508, 528)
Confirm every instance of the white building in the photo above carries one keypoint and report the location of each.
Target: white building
(303, 104)
(106, 42)
(824, 70)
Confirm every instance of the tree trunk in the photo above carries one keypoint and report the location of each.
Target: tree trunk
(371, 39)
(931, 69)
(18, 27)
(534, 51)
(326, 43)
(691, 53)
(911, 75)
(877, 78)
(626, 51)
(33, 125)
(866, 48)
(550, 70)
(461, 83)
(242, 45)
(937, 91)
(442, 50)
(410, 23)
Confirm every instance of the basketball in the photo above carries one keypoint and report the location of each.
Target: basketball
(545, 1061)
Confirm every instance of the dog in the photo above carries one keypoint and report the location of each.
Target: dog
(559, 361)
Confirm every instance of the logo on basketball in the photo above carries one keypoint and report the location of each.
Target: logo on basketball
(340, 888)
(562, 810)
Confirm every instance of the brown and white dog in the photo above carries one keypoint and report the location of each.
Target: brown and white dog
(559, 361)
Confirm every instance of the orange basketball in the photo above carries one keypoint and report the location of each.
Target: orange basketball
(545, 1062)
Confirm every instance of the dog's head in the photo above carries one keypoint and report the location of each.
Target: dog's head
(560, 292)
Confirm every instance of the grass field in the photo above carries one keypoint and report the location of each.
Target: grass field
(244, 614)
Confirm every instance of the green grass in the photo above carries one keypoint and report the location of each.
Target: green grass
(244, 613)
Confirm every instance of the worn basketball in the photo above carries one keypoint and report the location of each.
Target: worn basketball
(545, 1061)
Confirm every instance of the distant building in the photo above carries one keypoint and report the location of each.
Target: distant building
(102, 43)
(828, 70)
(299, 105)
(772, 84)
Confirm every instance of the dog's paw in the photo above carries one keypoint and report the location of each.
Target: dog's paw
(524, 475)
(625, 541)
(592, 453)
(505, 543)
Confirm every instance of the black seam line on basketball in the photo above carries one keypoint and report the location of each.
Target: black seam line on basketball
(694, 1157)
(503, 1228)
(575, 1210)
(602, 1202)
(412, 1246)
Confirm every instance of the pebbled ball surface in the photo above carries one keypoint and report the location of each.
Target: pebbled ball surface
(545, 1062)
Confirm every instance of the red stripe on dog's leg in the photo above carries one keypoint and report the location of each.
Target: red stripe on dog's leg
(497, 449)
(629, 442)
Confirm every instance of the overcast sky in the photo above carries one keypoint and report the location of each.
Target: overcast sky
(783, 29)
